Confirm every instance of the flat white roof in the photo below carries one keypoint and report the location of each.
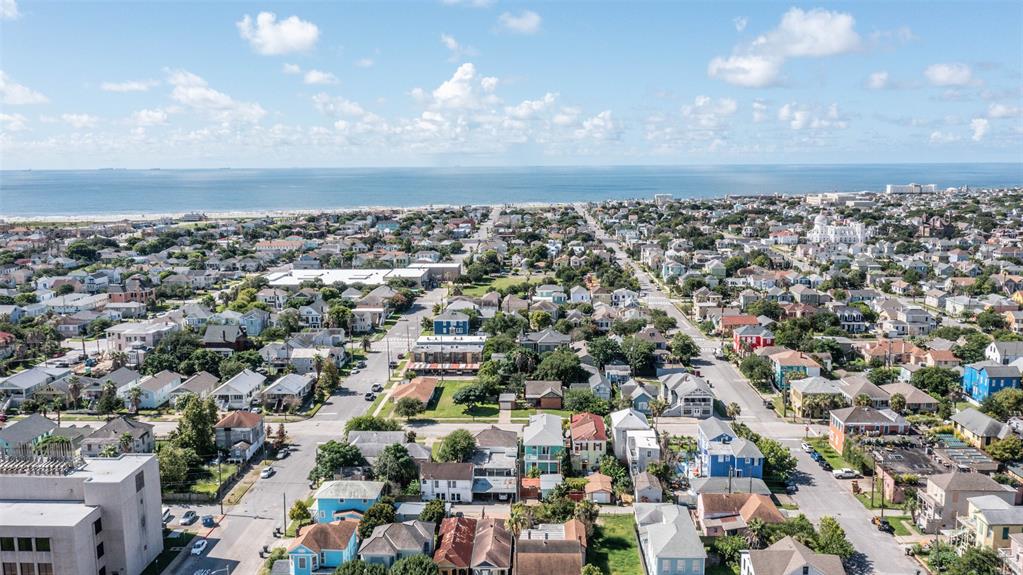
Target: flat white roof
(112, 469)
(370, 277)
(44, 513)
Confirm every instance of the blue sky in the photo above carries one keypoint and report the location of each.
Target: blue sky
(489, 82)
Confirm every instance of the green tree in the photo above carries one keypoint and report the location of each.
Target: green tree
(757, 370)
(300, 513)
(230, 367)
(108, 400)
(604, 351)
(591, 569)
(1004, 403)
(409, 407)
(380, 513)
(728, 547)
(332, 456)
(195, 427)
(1009, 448)
(990, 320)
(360, 567)
(972, 350)
(897, 402)
(883, 375)
(778, 460)
(175, 463)
(395, 465)
(559, 365)
(977, 561)
(831, 539)
(584, 400)
(457, 446)
(639, 353)
(470, 396)
(937, 381)
(433, 512)
(371, 423)
(415, 565)
(683, 348)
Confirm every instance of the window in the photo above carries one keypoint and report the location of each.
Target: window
(42, 543)
(99, 550)
(301, 562)
(44, 568)
(1005, 532)
(140, 481)
(10, 568)
(6, 544)
(97, 526)
(24, 543)
(806, 570)
(28, 569)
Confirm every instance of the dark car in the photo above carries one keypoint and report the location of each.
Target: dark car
(883, 525)
(825, 465)
(188, 517)
(208, 521)
(377, 388)
(370, 396)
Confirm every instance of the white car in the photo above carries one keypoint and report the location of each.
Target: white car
(845, 473)
(199, 546)
(806, 447)
(267, 472)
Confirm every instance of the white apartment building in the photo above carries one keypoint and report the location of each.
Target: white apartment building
(911, 188)
(827, 232)
(446, 481)
(100, 517)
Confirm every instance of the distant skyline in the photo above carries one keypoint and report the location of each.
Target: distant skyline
(493, 83)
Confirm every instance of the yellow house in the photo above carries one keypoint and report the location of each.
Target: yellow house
(989, 522)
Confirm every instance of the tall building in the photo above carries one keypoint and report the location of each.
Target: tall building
(68, 516)
(911, 188)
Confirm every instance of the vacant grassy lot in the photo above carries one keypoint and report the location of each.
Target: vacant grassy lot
(444, 407)
(210, 482)
(478, 290)
(614, 548)
(525, 413)
(830, 455)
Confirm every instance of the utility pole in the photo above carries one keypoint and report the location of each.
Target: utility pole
(220, 486)
(284, 530)
(387, 346)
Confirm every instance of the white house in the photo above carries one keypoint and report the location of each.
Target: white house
(579, 294)
(1004, 352)
(643, 449)
(239, 391)
(156, 389)
(621, 423)
(446, 481)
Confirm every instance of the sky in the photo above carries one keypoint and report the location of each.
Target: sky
(498, 83)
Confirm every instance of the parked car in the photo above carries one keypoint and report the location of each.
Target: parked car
(806, 447)
(370, 396)
(208, 521)
(825, 465)
(282, 453)
(199, 546)
(845, 473)
(189, 517)
(361, 364)
(267, 472)
(377, 387)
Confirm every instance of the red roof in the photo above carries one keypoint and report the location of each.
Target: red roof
(587, 426)
(457, 535)
(240, 419)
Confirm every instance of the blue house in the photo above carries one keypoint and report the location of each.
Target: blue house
(985, 378)
(324, 546)
(724, 454)
(451, 323)
(339, 500)
(668, 540)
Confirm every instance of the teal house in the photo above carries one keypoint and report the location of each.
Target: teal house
(324, 546)
(339, 500)
(543, 443)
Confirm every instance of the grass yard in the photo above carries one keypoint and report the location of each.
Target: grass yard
(903, 525)
(210, 482)
(830, 455)
(614, 548)
(444, 407)
(500, 283)
(525, 413)
(864, 497)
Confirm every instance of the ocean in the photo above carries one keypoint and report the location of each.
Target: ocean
(130, 192)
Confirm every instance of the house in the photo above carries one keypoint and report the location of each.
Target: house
(588, 441)
(848, 422)
(395, 541)
(727, 324)
(288, 391)
(648, 488)
(225, 339)
(642, 449)
(748, 338)
(801, 390)
(1004, 352)
(795, 362)
(495, 465)
(558, 549)
(986, 378)
(544, 394)
(988, 523)
(639, 394)
(599, 488)
(115, 432)
(978, 429)
(855, 385)
(468, 546)
(201, 384)
(240, 434)
(420, 388)
(686, 395)
(595, 382)
(339, 500)
(719, 514)
(451, 323)
(25, 434)
(240, 391)
(722, 453)
(917, 400)
(543, 443)
(668, 541)
(789, 557)
(622, 422)
(156, 389)
(324, 546)
(372, 443)
(544, 341)
(579, 294)
(946, 497)
(446, 481)
(23, 385)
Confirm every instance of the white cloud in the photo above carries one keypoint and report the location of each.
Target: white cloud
(980, 127)
(193, 91)
(456, 49)
(707, 112)
(319, 77)
(759, 111)
(9, 10)
(1002, 111)
(129, 86)
(600, 127)
(530, 108)
(337, 106)
(458, 91)
(567, 116)
(268, 36)
(79, 121)
(291, 69)
(954, 74)
(878, 80)
(800, 34)
(801, 117)
(12, 122)
(526, 22)
(740, 23)
(938, 137)
(15, 94)
(148, 117)
(489, 84)
(364, 63)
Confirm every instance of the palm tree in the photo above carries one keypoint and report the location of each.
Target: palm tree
(135, 398)
(520, 517)
(733, 410)
(657, 407)
(756, 533)
(318, 364)
(74, 390)
(126, 442)
(119, 359)
(862, 400)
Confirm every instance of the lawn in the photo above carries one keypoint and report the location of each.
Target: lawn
(614, 548)
(171, 547)
(830, 455)
(444, 407)
(903, 525)
(525, 413)
(500, 283)
(209, 483)
(864, 497)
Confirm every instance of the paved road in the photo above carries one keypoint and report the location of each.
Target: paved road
(820, 493)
